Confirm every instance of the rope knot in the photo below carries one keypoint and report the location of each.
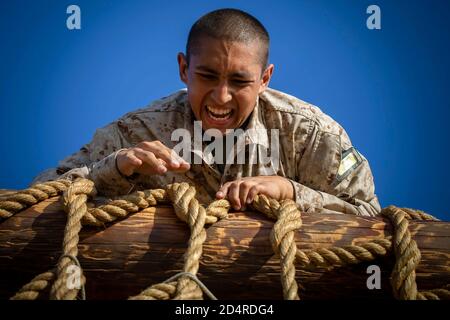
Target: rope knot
(403, 277)
(289, 220)
(80, 187)
(189, 210)
(266, 205)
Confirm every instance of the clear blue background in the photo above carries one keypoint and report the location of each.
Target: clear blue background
(389, 88)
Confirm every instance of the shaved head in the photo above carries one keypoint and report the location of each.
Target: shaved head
(231, 25)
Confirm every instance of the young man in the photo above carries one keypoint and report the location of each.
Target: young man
(227, 76)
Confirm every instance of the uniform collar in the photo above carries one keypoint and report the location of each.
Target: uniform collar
(256, 132)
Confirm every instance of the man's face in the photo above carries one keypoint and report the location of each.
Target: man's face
(224, 80)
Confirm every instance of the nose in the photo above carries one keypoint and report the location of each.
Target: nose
(221, 93)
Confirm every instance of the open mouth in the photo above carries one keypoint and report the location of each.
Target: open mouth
(219, 114)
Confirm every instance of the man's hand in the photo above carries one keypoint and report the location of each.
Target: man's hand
(150, 158)
(242, 192)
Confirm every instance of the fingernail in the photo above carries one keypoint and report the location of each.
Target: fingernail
(236, 207)
(162, 169)
(249, 201)
(219, 194)
(175, 163)
(183, 163)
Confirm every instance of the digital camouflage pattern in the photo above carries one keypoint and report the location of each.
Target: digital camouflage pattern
(315, 154)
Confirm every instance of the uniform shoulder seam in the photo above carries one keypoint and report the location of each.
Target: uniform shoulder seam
(171, 103)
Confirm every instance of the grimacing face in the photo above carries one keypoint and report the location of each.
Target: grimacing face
(224, 80)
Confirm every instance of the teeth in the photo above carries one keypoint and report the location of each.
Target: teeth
(219, 112)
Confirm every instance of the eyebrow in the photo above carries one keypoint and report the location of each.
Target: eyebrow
(237, 74)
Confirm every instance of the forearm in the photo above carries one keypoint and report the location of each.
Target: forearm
(313, 201)
(104, 174)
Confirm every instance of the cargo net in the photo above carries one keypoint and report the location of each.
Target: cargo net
(186, 285)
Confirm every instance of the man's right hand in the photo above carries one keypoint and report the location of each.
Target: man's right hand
(150, 158)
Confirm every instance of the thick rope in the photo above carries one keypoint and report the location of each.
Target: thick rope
(160, 291)
(120, 208)
(34, 289)
(115, 209)
(197, 281)
(283, 242)
(412, 214)
(196, 218)
(15, 202)
(189, 210)
(403, 277)
(82, 279)
(76, 203)
(343, 256)
(282, 237)
(435, 294)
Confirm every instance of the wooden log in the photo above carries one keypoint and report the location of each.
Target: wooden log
(237, 262)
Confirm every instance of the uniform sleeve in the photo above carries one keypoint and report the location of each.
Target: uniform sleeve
(95, 161)
(333, 177)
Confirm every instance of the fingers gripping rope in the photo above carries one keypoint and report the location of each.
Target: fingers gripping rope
(186, 285)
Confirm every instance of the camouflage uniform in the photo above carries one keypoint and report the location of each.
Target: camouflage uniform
(316, 155)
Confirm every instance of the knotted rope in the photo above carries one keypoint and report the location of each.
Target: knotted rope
(403, 277)
(282, 237)
(75, 200)
(119, 208)
(188, 209)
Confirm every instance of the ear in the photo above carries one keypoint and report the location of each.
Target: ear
(183, 67)
(265, 79)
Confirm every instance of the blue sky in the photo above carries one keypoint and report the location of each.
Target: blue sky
(388, 88)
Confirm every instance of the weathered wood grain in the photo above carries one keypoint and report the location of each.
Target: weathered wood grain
(237, 262)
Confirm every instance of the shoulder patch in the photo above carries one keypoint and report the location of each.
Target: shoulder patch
(350, 160)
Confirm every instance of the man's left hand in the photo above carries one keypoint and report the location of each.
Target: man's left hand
(242, 191)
